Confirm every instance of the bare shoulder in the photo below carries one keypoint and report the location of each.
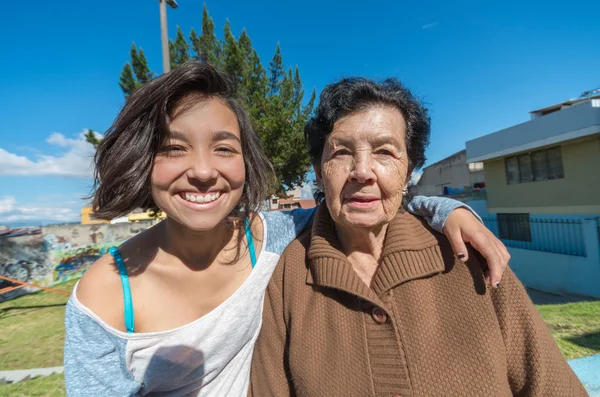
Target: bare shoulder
(100, 289)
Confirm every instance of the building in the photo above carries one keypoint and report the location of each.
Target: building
(293, 201)
(88, 219)
(450, 176)
(547, 165)
(138, 215)
(543, 194)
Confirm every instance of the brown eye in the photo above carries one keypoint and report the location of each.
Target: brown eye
(384, 152)
(225, 151)
(341, 152)
(172, 150)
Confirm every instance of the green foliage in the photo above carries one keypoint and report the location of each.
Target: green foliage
(179, 50)
(127, 82)
(274, 98)
(142, 72)
(134, 77)
(90, 137)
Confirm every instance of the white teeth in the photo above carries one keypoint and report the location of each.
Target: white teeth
(202, 199)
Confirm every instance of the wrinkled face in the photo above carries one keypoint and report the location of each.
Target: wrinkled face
(364, 167)
(198, 175)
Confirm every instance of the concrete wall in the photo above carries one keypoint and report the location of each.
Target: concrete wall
(452, 171)
(59, 252)
(560, 274)
(577, 192)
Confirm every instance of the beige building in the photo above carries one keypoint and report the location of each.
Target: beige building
(450, 175)
(548, 165)
(292, 202)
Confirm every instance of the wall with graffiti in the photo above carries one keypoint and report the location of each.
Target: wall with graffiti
(54, 254)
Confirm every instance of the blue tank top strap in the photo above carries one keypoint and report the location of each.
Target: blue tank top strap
(250, 243)
(127, 301)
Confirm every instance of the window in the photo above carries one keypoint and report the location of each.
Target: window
(478, 166)
(512, 170)
(274, 201)
(514, 227)
(540, 165)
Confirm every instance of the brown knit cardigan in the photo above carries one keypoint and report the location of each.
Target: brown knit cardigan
(427, 326)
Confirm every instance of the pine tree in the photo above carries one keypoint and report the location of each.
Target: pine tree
(90, 137)
(276, 70)
(142, 72)
(233, 62)
(206, 45)
(274, 98)
(179, 50)
(127, 82)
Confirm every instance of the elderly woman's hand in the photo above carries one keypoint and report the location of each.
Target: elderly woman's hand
(462, 227)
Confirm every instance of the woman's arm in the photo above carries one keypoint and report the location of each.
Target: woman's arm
(536, 367)
(461, 225)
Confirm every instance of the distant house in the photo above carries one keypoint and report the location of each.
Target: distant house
(543, 194)
(292, 202)
(450, 176)
(87, 217)
(547, 165)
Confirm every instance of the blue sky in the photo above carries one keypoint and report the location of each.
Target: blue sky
(479, 67)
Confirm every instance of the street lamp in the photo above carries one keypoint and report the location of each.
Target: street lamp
(164, 33)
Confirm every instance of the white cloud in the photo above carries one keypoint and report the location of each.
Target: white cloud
(75, 162)
(11, 212)
(429, 25)
(7, 204)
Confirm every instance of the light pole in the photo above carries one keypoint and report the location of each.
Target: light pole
(164, 33)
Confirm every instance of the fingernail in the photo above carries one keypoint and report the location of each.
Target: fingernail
(497, 284)
(461, 256)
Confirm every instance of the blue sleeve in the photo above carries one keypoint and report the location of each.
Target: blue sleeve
(436, 209)
(94, 359)
(284, 226)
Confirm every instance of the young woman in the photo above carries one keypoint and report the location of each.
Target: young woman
(176, 310)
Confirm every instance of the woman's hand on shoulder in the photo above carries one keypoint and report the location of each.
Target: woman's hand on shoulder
(100, 291)
(463, 227)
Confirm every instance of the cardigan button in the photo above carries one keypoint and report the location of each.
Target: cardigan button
(379, 315)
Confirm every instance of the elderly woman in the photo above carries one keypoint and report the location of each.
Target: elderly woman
(371, 301)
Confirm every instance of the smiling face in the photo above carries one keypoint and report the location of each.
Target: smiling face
(198, 175)
(364, 167)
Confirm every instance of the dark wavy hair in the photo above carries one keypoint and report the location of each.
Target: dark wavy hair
(124, 159)
(354, 94)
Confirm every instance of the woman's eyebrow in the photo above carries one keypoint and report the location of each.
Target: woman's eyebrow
(224, 135)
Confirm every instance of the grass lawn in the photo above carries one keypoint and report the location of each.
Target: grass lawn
(575, 326)
(32, 330)
(32, 336)
(50, 386)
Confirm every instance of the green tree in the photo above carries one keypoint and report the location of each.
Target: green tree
(91, 137)
(233, 61)
(276, 70)
(142, 72)
(127, 81)
(179, 50)
(206, 45)
(274, 98)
